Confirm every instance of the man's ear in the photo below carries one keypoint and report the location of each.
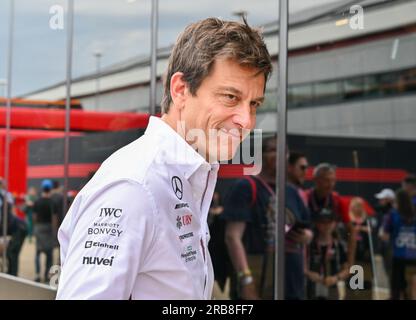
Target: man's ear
(178, 90)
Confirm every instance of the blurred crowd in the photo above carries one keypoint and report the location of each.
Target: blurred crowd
(43, 212)
(336, 247)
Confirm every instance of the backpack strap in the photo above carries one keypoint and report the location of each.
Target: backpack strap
(253, 185)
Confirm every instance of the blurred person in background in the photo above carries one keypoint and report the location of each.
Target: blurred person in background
(363, 227)
(249, 213)
(327, 264)
(400, 229)
(409, 185)
(45, 221)
(322, 199)
(16, 230)
(386, 199)
(57, 198)
(300, 233)
(30, 198)
(296, 172)
(216, 245)
(215, 209)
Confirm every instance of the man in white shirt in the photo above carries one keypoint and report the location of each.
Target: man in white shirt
(139, 229)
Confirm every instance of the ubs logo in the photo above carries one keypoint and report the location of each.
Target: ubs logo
(182, 221)
(177, 187)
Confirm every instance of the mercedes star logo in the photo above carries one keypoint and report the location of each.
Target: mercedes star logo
(177, 187)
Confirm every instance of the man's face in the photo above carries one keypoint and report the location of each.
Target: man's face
(297, 171)
(325, 182)
(224, 105)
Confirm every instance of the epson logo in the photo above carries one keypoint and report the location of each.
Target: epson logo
(186, 235)
(108, 212)
(90, 244)
(98, 261)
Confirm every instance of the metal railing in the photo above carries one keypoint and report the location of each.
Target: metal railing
(14, 288)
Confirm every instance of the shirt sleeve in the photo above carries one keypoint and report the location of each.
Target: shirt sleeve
(237, 204)
(111, 232)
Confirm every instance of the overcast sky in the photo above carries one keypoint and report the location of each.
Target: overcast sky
(118, 28)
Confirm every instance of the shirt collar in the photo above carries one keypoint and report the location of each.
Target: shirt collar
(176, 150)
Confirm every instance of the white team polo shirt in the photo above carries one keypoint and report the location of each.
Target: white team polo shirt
(139, 228)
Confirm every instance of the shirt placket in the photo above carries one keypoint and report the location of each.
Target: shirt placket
(202, 186)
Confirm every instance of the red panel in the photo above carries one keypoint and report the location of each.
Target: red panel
(57, 171)
(18, 161)
(19, 154)
(366, 175)
(53, 119)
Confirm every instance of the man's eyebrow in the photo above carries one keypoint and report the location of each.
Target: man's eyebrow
(238, 92)
(231, 89)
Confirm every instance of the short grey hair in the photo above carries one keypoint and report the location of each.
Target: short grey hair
(323, 168)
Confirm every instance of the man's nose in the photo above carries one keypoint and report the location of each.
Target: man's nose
(244, 117)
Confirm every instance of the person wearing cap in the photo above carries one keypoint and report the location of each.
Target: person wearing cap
(45, 221)
(327, 264)
(385, 203)
(138, 229)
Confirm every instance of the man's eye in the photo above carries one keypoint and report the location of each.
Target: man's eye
(231, 97)
(255, 104)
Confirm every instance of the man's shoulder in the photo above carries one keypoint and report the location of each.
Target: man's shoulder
(133, 161)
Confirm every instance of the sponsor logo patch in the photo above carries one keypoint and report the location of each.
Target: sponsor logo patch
(98, 261)
(96, 244)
